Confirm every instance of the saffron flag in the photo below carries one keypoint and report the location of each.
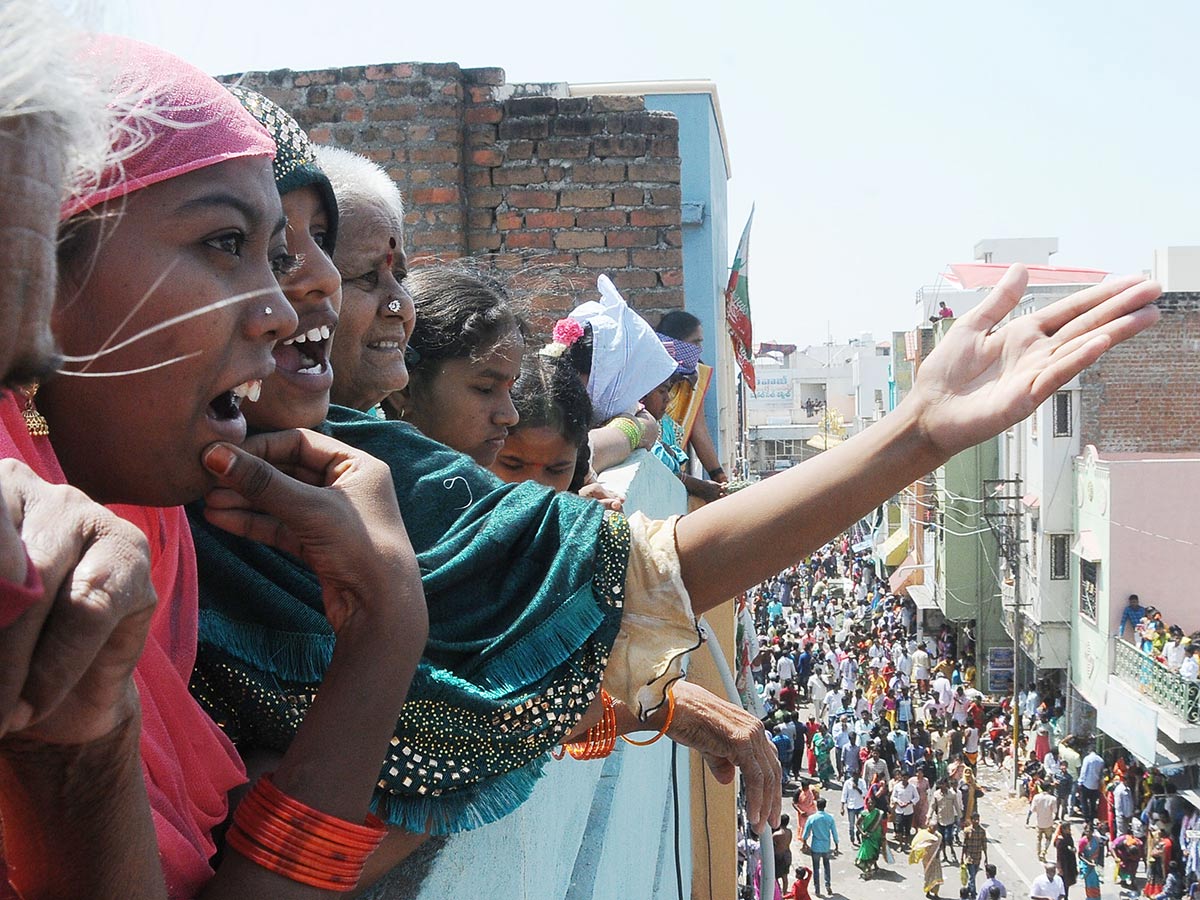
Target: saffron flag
(737, 306)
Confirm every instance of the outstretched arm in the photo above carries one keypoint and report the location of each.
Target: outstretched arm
(979, 380)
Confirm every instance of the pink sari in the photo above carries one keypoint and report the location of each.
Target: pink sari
(188, 763)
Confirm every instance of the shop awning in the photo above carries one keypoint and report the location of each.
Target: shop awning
(1087, 546)
(922, 595)
(893, 549)
(905, 573)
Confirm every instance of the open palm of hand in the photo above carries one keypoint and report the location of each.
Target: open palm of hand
(984, 376)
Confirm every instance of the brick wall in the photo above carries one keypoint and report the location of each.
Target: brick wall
(553, 189)
(1141, 396)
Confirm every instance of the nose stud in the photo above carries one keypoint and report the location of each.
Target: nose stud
(267, 311)
(394, 306)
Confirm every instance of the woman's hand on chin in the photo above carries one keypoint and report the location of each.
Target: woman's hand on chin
(332, 506)
(987, 374)
(68, 653)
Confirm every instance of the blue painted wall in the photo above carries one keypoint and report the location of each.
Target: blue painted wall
(706, 245)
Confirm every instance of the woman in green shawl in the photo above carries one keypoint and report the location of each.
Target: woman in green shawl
(870, 829)
(823, 750)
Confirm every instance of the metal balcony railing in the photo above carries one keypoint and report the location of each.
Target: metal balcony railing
(1177, 695)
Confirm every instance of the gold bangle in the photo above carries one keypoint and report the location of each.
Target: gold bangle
(666, 723)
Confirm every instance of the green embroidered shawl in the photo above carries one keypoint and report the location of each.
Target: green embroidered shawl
(524, 588)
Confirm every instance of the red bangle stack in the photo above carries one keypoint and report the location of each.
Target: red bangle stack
(601, 737)
(298, 842)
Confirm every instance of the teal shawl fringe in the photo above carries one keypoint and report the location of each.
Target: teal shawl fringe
(524, 589)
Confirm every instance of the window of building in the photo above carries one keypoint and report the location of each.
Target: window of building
(1060, 550)
(1062, 414)
(1087, 589)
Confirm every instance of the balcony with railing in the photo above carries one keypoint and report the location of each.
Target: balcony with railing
(1177, 696)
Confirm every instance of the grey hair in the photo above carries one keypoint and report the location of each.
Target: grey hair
(358, 181)
(43, 83)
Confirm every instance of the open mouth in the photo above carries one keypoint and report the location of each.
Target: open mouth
(227, 406)
(306, 353)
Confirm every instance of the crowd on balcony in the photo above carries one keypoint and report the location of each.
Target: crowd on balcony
(250, 527)
(1167, 644)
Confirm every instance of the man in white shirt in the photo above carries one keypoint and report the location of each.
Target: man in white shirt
(1048, 886)
(1174, 653)
(854, 794)
(904, 804)
(943, 690)
(817, 689)
(1043, 808)
(920, 667)
(1190, 667)
(785, 668)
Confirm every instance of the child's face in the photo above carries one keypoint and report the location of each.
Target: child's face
(536, 454)
(656, 401)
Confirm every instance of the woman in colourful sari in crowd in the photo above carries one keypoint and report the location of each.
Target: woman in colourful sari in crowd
(871, 837)
(1091, 861)
(925, 850)
(822, 748)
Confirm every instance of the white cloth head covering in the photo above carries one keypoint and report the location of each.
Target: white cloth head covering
(628, 359)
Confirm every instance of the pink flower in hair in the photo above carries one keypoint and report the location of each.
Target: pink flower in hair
(566, 332)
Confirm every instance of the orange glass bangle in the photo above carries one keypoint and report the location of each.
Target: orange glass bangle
(601, 738)
(238, 841)
(666, 722)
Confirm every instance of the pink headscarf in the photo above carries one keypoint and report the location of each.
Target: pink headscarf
(174, 119)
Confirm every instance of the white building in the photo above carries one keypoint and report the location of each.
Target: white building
(812, 398)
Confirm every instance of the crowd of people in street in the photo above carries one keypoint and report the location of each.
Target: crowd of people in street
(885, 724)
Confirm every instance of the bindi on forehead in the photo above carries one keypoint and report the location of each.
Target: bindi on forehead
(391, 254)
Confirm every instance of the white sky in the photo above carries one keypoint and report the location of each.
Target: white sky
(879, 142)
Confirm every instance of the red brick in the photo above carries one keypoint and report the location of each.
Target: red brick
(519, 150)
(427, 154)
(524, 129)
(604, 259)
(620, 145)
(482, 115)
(353, 114)
(654, 171)
(556, 219)
(479, 178)
(673, 238)
(480, 218)
(519, 175)
(592, 199)
(432, 196)
(483, 240)
(486, 157)
(399, 112)
(509, 221)
(578, 126)
(578, 240)
(653, 216)
(484, 199)
(528, 239)
(663, 146)
(634, 278)
(617, 103)
(597, 172)
(600, 218)
(532, 199)
(564, 148)
(639, 238)
(671, 278)
(658, 259)
(629, 197)
(343, 93)
(651, 122)
(320, 135)
(668, 196)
